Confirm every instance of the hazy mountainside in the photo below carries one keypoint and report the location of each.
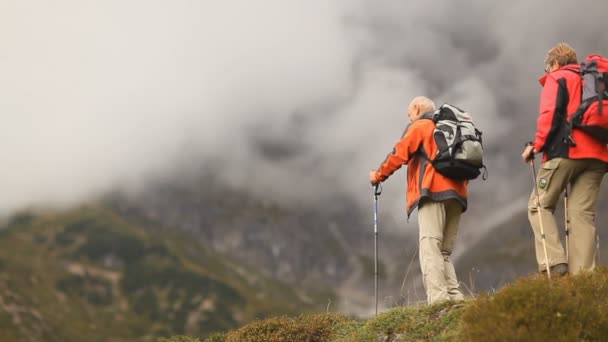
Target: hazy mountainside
(281, 242)
(89, 275)
(306, 248)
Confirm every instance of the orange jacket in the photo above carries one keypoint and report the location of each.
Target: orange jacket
(423, 182)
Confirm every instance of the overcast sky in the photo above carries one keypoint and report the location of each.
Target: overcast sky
(292, 99)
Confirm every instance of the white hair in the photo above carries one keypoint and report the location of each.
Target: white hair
(423, 102)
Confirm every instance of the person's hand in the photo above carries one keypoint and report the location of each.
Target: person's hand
(372, 178)
(528, 154)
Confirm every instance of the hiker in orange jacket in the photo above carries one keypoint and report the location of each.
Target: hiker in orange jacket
(582, 167)
(440, 201)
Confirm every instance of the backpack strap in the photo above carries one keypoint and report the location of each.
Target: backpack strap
(568, 139)
(599, 85)
(430, 116)
(604, 90)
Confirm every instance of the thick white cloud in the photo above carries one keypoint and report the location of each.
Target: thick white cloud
(290, 99)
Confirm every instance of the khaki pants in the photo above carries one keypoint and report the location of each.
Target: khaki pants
(438, 223)
(584, 177)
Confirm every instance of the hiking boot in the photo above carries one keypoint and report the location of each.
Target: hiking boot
(558, 270)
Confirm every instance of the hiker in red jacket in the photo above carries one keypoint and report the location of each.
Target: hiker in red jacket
(581, 167)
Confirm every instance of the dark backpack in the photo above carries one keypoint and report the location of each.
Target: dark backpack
(592, 115)
(460, 150)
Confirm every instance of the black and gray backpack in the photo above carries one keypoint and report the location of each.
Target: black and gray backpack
(460, 150)
(592, 117)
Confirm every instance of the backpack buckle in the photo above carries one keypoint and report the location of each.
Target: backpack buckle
(570, 141)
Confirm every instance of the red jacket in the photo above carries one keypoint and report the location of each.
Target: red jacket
(423, 182)
(561, 96)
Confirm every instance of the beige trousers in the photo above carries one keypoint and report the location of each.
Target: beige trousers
(584, 177)
(438, 222)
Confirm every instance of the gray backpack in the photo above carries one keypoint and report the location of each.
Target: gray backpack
(460, 150)
(591, 116)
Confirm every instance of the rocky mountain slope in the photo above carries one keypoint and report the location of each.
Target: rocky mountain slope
(89, 274)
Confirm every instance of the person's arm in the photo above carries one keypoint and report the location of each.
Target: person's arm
(548, 103)
(402, 152)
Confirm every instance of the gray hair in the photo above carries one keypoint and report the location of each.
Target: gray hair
(423, 102)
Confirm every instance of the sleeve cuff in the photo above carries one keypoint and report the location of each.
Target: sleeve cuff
(378, 176)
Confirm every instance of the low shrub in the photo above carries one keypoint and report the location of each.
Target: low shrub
(311, 328)
(535, 309)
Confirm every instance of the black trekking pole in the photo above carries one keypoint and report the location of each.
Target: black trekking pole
(377, 192)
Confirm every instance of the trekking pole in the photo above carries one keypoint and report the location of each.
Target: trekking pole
(566, 221)
(377, 192)
(540, 219)
(597, 248)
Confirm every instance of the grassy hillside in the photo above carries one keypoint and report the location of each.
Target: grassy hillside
(531, 309)
(88, 274)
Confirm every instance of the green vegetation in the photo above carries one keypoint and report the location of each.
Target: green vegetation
(307, 328)
(90, 275)
(531, 309)
(425, 323)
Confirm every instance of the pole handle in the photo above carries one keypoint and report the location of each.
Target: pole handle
(377, 189)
